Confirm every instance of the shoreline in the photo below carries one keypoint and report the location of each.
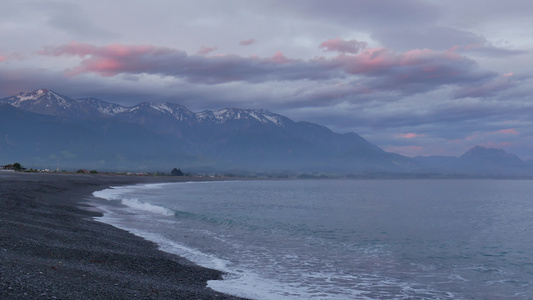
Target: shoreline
(52, 248)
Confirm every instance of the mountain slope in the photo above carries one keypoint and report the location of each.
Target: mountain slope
(491, 156)
(225, 138)
(483, 160)
(45, 141)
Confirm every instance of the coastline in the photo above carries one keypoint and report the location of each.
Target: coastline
(52, 248)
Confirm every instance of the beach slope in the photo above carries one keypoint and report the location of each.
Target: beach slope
(51, 248)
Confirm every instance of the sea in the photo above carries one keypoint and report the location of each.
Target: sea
(342, 239)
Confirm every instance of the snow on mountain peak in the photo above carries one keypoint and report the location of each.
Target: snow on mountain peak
(226, 114)
(48, 102)
(41, 92)
(28, 96)
(161, 107)
(41, 100)
(25, 97)
(203, 115)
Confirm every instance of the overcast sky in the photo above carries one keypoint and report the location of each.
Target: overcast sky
(420, 77)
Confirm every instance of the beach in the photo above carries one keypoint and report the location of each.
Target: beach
(52, 248)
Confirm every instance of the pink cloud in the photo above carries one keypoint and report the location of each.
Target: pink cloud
(410, 135)
(133, 59)
(381, 68)
(420, 56)
(508, 131)
(247, 42)
(343, 46)
(110, 60)
(481, 136)
(368, 61)
(205, 50)
(2, 58)
(280, 58)
(474, 136)
(419, 64)
(106, 61)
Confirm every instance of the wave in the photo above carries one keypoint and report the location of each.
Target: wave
(117, 194)
(114, 192)
(156, 209)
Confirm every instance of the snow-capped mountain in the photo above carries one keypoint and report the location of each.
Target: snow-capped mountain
(43, 101)
(39, 97)
(224, 115)
(230, 137)
(93, 106)
(48, 102)
(163, 111)
(43, 126)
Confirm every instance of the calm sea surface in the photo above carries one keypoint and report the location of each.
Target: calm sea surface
(343, 239)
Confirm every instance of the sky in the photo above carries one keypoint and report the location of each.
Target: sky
(418, 77)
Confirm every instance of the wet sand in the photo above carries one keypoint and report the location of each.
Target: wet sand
(51, 248)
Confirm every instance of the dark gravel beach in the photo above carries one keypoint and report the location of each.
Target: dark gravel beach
(51, 248)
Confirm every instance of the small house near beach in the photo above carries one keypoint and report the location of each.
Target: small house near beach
(7, 168)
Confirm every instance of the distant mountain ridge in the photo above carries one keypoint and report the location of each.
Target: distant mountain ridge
(151, 136)
(47, 102)
(476, 161)
(225, 138)
(491, 155)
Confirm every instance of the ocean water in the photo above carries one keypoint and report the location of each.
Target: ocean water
(342, 239)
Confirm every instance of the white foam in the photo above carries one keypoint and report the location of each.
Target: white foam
(113, 193)
(250, 285)
(156, 209)
(198, 257)
(151, 186)
(246, 285)
(241, 283)
(117, 193)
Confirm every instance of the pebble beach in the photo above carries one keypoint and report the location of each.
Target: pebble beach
(51, 247)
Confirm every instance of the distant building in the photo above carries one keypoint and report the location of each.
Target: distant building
(10, 168)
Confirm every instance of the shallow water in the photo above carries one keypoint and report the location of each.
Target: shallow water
(343, 239)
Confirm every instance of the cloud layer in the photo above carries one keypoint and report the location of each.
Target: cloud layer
(374, 70)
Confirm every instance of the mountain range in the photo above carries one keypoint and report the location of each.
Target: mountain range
(46, 129)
